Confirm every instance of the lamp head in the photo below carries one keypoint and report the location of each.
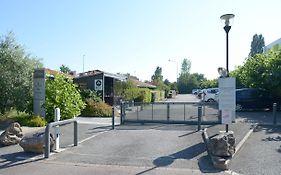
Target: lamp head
(227, 19)
(222, 72)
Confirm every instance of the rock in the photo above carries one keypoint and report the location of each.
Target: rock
(36, 143)
(222, 145)
(12, 135)
(220, 162)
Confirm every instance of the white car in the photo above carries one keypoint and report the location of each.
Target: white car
(210, 94)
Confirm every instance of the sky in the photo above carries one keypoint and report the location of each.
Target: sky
(136, 36)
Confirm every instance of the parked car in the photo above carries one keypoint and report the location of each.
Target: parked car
(209, 94)
(195, 91)
(250, 98)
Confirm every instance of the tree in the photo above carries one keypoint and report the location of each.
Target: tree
(64, 94)
(257, 45)
(262, 71)
(157, 76)
(16, 70)
(185, 66)
(65, 69)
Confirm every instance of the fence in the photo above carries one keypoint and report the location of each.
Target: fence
(170, 112)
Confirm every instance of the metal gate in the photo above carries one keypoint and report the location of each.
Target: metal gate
(170, 112)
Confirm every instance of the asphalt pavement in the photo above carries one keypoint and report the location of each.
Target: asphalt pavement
(148, 149)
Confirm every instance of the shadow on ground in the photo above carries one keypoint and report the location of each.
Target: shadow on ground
(18, 158)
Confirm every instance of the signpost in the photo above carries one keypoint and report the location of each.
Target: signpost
(227, 99)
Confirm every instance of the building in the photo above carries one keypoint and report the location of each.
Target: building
(269, 46)
(101, 82)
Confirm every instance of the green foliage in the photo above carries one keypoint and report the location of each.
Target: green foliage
(89, 94)
(32, 121)
(157, 76)
(96, 109)
(209, 84)
(16, 70)
(62, 93)
(262, 71)
(24, 119)
(187, 82)
(185, 66)
(65, 69)
(257, 45)
(144, 95)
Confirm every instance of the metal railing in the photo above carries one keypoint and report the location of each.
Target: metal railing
(58, 123)
(170, 112)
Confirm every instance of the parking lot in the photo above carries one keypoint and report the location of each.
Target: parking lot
(143, 148)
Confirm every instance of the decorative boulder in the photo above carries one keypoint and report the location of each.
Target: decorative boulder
(222, 145)
(12, 135)
(36, 143)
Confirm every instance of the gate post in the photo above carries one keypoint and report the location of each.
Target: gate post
(199, 117)
(113, 118)
(168, 111)
(274, 113)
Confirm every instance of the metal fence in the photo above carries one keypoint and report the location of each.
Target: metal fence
(170, 112)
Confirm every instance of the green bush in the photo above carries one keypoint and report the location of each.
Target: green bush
(131, 93)
(62, 93)
(23, 119)
(33, 121)
(156, 96)
(96, 109)
(89, 94)
(144, 95)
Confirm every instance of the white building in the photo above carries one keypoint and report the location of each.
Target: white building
(269, 46)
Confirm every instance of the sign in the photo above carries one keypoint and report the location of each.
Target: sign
(227, 94)
(98, 85)
(227, 116)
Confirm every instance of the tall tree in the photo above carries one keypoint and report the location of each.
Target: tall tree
(157, 76)
(185, 66)
(257, 45)
(16, 70)
(65, 69)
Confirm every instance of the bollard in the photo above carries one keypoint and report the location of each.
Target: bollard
(168, 111)
(274, 113)
(57, 132)
(47, 141)
(199, 117)
(121, 113)
(113, 118)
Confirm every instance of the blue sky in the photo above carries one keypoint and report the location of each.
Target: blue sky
(136, 36)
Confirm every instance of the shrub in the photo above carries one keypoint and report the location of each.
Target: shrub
(144, 96)
(34, 121)
(62, 93)
(89, 94)
(23, 119)
(96, 109)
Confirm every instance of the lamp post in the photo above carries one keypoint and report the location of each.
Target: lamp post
(177, 67)
(227, 19)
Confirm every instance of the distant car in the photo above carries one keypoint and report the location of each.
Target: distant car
(195, 91)
(172, 94)
(250, 98)
(209, 94)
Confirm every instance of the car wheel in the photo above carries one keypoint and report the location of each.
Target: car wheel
(239, 107)
(210, 100)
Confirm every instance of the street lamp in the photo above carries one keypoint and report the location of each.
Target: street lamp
(227, 19)
(177, 67)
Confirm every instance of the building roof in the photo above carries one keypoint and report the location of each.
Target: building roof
(142, 84)
(106, 74)
(269, 46)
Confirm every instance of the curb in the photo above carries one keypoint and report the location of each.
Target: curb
(238, 147)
